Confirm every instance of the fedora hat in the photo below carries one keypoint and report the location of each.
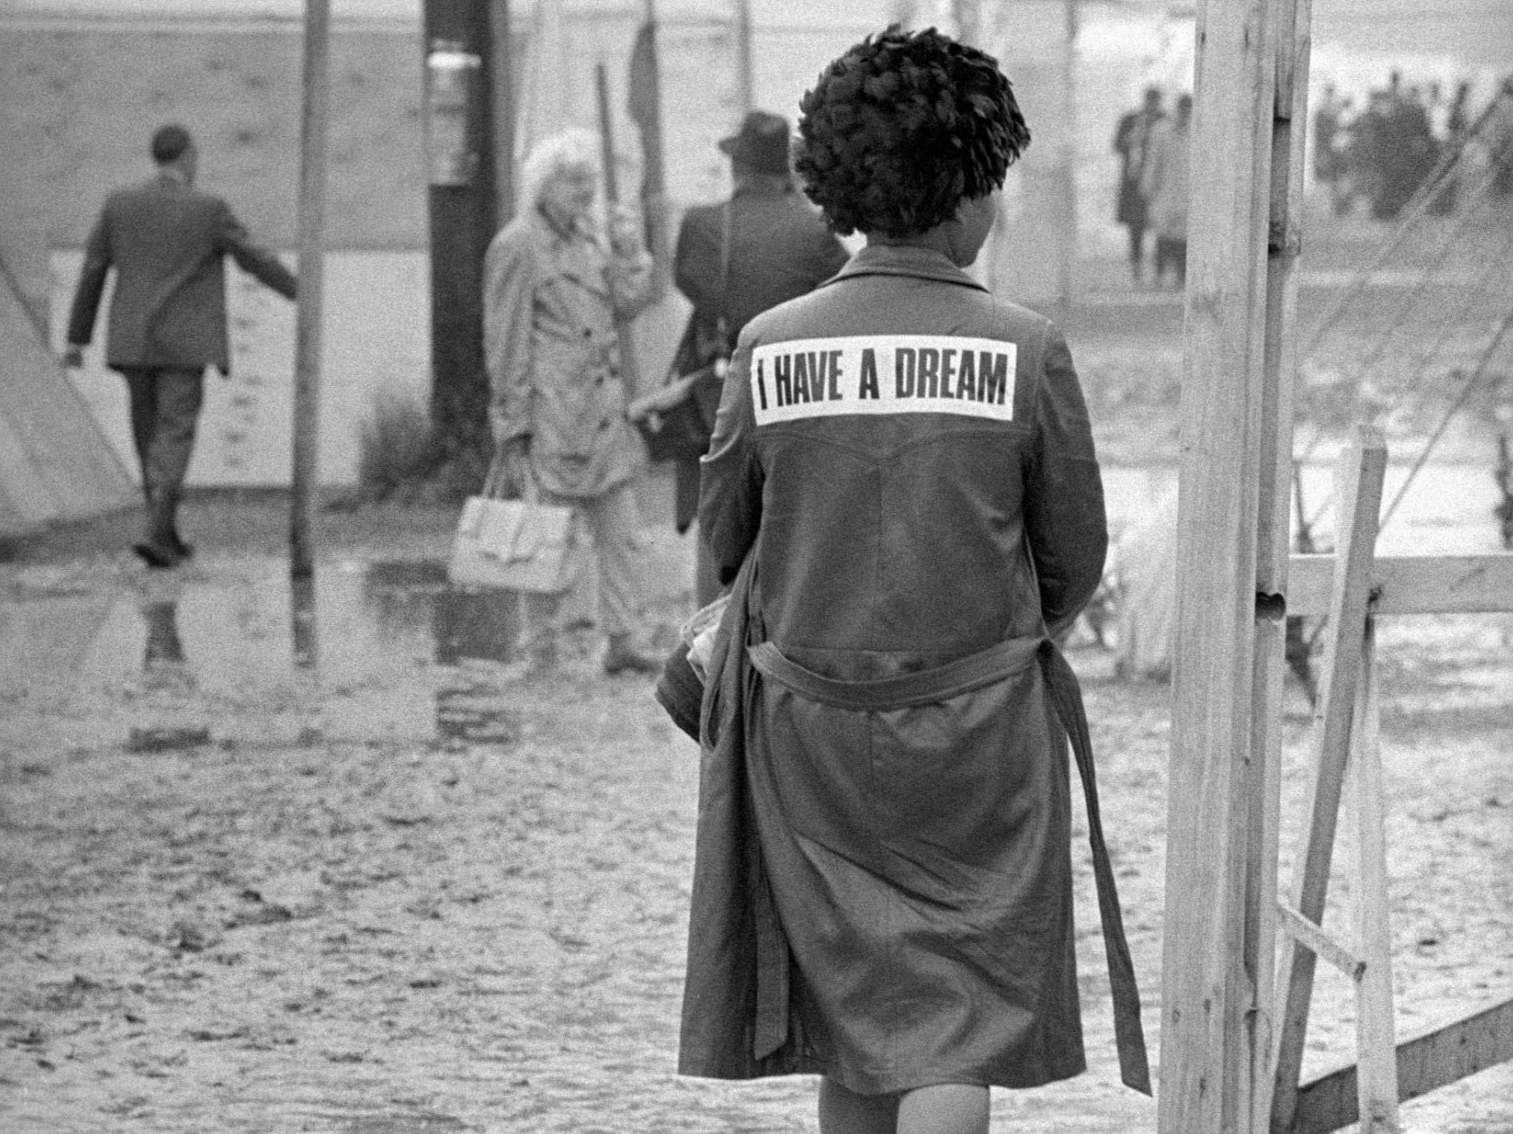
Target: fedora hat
(761, 142)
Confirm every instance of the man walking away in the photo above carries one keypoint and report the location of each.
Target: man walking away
(166, 241)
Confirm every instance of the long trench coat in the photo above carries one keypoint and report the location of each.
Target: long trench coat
(903, 473)
(551, 298)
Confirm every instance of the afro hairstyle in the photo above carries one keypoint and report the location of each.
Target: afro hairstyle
(902, 128)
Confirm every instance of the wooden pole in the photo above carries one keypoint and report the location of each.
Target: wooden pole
(1066, 200)
(645, 104)
(307, 338)
(1292, 20)
(1375, 1028)
(745, 85)
(630, 372)
(499, 64)
(1222, 803)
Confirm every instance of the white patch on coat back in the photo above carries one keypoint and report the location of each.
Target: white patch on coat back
(883, 374)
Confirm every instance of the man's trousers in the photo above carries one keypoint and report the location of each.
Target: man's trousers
(165, 408)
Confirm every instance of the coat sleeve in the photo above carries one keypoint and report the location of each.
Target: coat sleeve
(730, 491)
(97, 262)
(257, 261)
(631, 281)
(510, 275)
(1065, 523)
(696, 263)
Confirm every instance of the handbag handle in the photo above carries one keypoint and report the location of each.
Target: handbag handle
(494, 482)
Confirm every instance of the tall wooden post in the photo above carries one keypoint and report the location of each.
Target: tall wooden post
(1217, 973)
(1066, 222)
(1292, 20)
(311, 226)
(644, 102)
(500, 64)
(630, 372)
(745, 77)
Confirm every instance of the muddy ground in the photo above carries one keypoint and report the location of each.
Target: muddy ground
(361, 872)
(333, 916)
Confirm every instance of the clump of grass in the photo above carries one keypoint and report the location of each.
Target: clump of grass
(397, 450)
(402, 457)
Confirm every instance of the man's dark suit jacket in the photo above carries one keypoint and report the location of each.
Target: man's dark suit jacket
(779, 248)
(166, 241)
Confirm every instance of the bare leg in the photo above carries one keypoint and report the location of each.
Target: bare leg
(949, 1108)
(845, 1112)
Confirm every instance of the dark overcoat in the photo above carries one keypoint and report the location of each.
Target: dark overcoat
(905, 469)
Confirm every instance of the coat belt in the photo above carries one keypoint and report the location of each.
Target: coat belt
(997, 663)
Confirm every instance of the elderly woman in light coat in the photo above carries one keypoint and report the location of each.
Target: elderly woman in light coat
(554, 287)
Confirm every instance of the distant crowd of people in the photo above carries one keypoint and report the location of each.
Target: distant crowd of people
(1384, 152)
(1381, 154)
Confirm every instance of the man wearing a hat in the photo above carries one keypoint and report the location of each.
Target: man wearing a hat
(734, 260)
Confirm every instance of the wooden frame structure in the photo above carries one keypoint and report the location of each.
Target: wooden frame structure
(1353, 588)
(1227, 1057)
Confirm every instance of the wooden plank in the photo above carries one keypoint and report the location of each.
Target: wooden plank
(1310, 933)
(1376, 1037)
(1219, 914)
(1410, 584)
(1358, 492)
(1292, 21)
(1425, 1063)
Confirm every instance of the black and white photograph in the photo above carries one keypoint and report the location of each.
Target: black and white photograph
(756, 566)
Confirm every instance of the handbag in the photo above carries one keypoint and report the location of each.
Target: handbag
(514, 545)
(677, 421)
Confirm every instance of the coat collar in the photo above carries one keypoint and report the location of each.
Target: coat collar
(904, 260)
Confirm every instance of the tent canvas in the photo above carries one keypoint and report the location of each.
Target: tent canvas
(55, 464)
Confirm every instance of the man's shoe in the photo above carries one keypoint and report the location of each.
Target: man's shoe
(622, 657)
(182, 547)
(155, 555)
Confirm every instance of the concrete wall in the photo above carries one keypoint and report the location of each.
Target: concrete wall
(82, 97)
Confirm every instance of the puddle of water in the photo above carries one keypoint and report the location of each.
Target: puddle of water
(471, 633)
(410, 595)
(241, 653)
